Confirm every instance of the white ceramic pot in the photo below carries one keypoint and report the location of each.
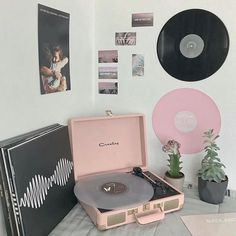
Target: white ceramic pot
(177, 183)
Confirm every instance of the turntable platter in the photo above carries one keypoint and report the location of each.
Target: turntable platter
(113, 191)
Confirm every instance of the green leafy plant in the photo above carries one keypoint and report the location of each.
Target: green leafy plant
(172, 149)
(211, 166)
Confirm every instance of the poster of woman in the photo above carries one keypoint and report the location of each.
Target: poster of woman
(53, 46)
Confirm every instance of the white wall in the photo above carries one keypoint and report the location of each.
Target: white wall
(141, 95)
(23, 108)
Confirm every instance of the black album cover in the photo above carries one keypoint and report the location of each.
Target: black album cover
(53, 45)
(5, 177)
(41, 171)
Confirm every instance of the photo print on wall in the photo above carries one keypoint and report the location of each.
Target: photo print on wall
(107, 73)
(142, 19)
(137, 65)
(53, 46)
(125, 38)
(108, 88)
(107, 56)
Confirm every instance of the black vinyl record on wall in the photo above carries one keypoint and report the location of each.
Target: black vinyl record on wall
(193, 45)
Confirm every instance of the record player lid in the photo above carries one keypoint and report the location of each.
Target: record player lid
(108, 144)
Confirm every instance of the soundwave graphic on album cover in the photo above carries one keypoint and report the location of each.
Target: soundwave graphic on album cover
(39, 186)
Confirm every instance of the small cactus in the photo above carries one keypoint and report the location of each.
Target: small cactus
(172, 149)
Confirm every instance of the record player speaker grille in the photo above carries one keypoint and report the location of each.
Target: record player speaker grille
(173, 204)
(116, 219)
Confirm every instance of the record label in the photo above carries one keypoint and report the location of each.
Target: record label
(114, 188)
(193, 45)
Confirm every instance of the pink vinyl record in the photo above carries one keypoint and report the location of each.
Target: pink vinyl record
(184, 114)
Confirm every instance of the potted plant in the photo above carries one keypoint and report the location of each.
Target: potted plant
(212, 180)
(174, 176)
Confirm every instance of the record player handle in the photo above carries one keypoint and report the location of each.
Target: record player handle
(149, 217)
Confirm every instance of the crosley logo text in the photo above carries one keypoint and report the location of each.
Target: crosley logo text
(108, 144)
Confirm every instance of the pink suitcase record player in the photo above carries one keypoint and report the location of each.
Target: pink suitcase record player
(112, 181)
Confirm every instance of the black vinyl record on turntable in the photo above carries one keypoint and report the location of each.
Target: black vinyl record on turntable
(193, 45)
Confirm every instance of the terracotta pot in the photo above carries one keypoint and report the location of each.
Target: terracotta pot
(177, 183)
(212, 192)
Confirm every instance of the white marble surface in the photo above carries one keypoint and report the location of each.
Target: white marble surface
(78, 223)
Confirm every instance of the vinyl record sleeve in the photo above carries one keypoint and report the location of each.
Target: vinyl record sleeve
(10, 223)
(41, 170)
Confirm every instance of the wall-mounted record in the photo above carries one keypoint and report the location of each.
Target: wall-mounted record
(193, 45)
(184, 114)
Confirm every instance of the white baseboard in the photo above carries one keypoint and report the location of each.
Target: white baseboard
(230, 193)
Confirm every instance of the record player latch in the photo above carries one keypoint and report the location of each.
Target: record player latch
(109, 113)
